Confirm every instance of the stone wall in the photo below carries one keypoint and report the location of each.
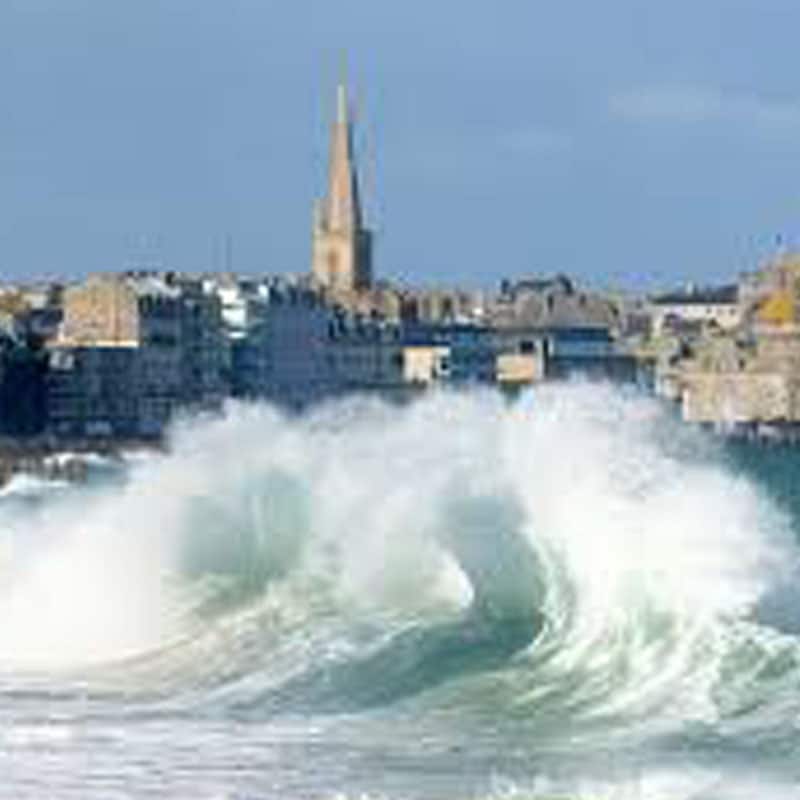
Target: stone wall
(739, 397)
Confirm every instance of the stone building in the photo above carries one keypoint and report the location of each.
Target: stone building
(550, 303)
(731, 382)
(774, 284)
(750, 375)
(442, 306)
(700, 307)
(205, 352)
(341, 244)
(279, 336)
(104, 311)
(519, 369)
(365, 355)
(133, 350)
(471, 350)
(424, 365)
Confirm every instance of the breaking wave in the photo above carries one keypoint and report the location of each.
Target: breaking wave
(575, 564)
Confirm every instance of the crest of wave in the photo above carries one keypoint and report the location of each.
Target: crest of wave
(635, 525)
(655, 551)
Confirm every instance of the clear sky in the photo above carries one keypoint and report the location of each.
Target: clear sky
(625, 142)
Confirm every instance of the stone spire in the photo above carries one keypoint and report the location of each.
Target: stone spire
(342, 246)
(344, 211)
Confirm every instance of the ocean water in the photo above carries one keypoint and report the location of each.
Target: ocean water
(570, 596)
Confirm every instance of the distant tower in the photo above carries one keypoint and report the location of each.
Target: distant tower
(342, 246)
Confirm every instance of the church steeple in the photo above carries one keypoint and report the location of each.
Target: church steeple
(342, 246)
(342, 108)
(344, 210)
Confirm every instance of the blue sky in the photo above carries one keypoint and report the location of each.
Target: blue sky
(624, 142)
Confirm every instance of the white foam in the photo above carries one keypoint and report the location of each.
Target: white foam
(648, 545)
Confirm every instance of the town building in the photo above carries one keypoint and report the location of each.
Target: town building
(746, 375)
(23, 366)
(279, 334)
(133, 350)
(467, 351)
(551, 329)
(554, 302)
(696, 308)
(365, 355)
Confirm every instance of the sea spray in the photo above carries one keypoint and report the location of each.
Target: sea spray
(570, 595)
(322, 541)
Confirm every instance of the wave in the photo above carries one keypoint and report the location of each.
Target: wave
(575, 559)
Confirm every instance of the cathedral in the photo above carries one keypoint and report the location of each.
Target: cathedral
(341, 246)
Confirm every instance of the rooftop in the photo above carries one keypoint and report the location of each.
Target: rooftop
(699, 295)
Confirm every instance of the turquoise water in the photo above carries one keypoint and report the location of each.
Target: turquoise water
(572, 596)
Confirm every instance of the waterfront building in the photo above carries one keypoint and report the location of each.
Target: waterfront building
(516, 370)
(551, 329)
(731, 382)
(550, 303)
(468, 350)
(205, 352)
(341, 244)
(365, 354)
(133, 350)
(22, 386)
(293, 333)
(441, 306)
(424, 365)
(696, 308)
(32, 314)
(106, 392)
(587, 352)
(279, 334)
(746, 375)
(770, 292)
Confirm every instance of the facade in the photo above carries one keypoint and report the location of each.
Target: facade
(445, 306)
(293, 333)
(733, 382)
(471, 350)
(341, 245)
(586, 352)
(365, 355)
(519, 369)
(132, 351)
(775, 283)
(103, 312)
(279, 337)
(22, 387)
(205, 353)
(550, 303)
(424, 365)
(746, 375)
(736, 398)
(717, 306)
(108, 392)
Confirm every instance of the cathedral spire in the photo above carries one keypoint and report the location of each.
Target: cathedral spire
(342, 105)
(342, 246)
(344, 209)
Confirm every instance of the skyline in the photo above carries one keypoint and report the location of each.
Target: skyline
(661, 154)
